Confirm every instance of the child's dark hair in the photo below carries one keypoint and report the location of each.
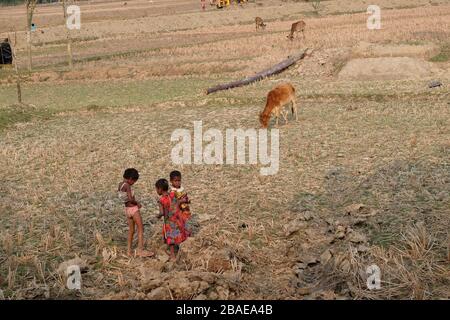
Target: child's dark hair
(175, 174)
(162, 184)
(131, 173)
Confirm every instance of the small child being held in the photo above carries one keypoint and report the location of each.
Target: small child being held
(177, 191)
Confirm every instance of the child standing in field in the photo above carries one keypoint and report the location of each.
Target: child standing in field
(177, 191)
(126, 196)
(173, 224)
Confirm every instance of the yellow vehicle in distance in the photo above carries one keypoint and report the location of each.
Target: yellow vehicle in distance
(225, 3)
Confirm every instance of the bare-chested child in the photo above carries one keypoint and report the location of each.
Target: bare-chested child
(126, 195)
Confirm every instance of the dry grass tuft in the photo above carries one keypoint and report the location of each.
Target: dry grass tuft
(410, 271)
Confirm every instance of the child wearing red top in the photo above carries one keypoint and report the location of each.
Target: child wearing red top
(173, 224)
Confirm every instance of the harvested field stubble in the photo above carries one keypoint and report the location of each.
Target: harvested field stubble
(363, 179)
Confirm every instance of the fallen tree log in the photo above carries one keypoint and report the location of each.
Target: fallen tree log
(283, 65)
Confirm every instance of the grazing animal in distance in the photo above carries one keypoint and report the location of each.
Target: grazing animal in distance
(298, 26)
(259, 23)
(277, 98)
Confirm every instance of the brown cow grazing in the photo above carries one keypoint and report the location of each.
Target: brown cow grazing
(259, 23)
(298, 26)
(277, 98)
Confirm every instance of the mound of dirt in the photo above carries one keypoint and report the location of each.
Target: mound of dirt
(188, 285)
(371, 50)
(396, 68)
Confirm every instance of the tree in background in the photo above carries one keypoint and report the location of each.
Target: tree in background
(69, 39)
(31, 5)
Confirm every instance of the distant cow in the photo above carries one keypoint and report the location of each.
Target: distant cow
(259, 23)
(297, 27)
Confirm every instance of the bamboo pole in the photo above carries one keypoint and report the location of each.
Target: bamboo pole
(16, 68)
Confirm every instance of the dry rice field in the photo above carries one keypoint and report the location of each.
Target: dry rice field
(364, 173)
